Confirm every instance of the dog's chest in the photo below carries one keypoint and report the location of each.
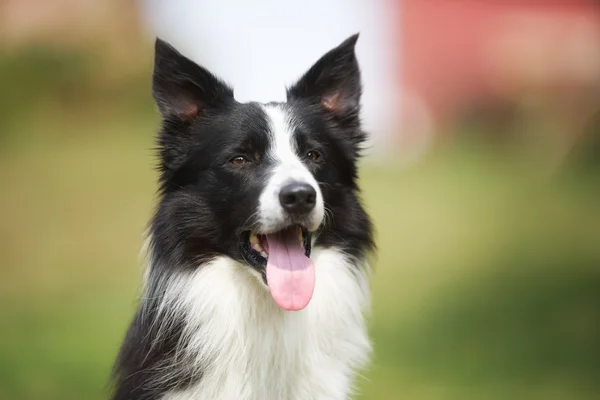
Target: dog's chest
(249, 349)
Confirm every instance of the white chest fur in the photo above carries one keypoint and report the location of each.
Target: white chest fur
(250, 349)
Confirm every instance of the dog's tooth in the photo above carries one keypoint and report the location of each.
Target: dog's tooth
(300, 234)
(262, 253)
(253, 238)
(257, 247)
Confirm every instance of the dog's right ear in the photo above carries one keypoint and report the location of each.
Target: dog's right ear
(181, 88)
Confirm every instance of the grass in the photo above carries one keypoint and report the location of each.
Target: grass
(487, 282)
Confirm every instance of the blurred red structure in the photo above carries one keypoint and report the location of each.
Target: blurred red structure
(459, 55)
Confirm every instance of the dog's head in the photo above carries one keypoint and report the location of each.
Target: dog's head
(260, 183)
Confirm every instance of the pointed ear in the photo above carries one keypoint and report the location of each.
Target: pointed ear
(181, 88)
(333, 81)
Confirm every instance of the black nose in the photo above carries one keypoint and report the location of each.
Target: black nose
(298, 198)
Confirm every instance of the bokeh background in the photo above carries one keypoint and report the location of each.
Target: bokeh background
(483, 180)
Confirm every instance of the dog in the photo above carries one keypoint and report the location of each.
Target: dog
(257, 280)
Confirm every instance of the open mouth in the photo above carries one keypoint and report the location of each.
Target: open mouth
(257, 245)
(283, 258)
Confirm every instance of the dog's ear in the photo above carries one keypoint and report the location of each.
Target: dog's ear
(181, 88)
(333, 81)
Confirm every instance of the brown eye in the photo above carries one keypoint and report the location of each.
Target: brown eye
(313, 155)
(239, 160)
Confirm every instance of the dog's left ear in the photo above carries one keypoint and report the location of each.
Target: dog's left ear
(333, 81)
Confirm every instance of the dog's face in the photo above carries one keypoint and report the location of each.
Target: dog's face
(259, 183)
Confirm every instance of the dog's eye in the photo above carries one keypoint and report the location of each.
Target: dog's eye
(313, 155)
(239, 160)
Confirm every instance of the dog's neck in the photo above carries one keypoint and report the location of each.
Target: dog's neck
(236, 343)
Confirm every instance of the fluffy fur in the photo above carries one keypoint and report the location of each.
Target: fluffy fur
(207, 326)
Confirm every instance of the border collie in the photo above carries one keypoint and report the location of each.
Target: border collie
(257, 279)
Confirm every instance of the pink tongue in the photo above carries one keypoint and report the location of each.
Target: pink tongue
(290, 274)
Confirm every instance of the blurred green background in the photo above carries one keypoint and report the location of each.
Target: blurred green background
(487, 279)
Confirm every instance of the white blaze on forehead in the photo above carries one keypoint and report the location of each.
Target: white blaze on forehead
(283, 146)
(287, 167)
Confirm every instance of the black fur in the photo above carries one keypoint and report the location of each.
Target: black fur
(206, 203)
